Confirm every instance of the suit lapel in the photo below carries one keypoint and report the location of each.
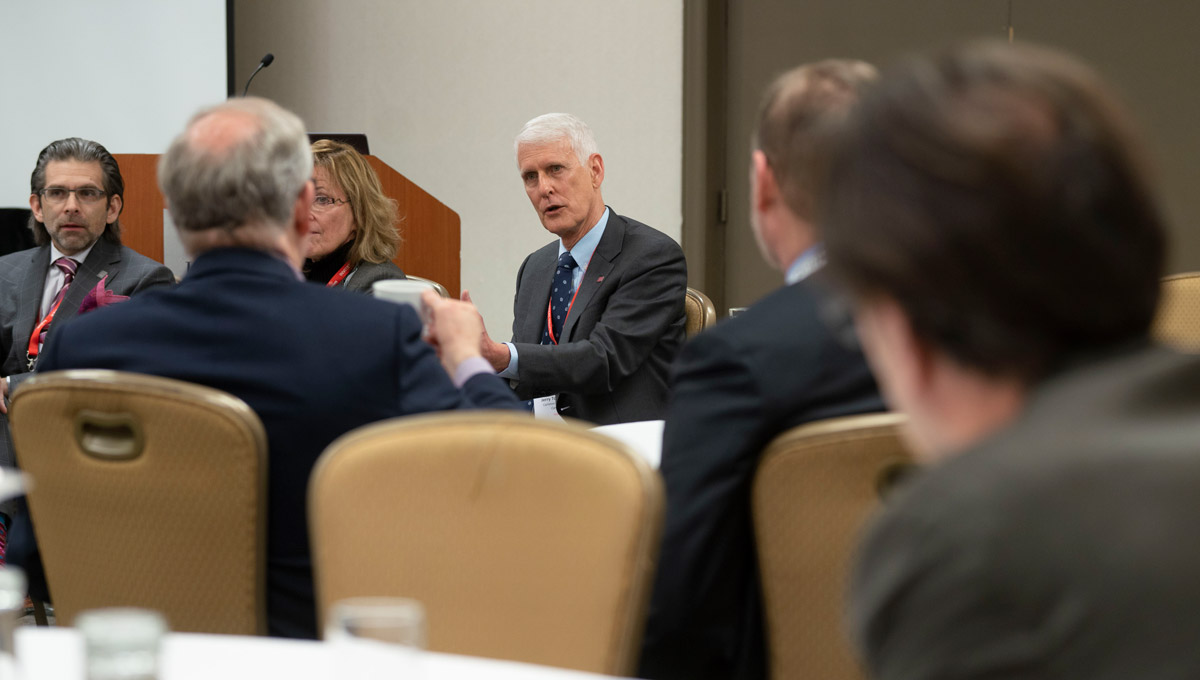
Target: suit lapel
(29, 305)
(539, 272)
(598, 268)
(103, 260)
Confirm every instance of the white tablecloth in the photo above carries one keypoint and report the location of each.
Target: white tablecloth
(645, 437)
(57, 654)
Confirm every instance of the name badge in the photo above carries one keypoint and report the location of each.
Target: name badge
(546, 407)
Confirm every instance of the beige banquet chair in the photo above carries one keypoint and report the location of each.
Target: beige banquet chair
(1178, 320)
(441, 290)
(526, 540)
(815, 486)
(148, 492)
(701, 313)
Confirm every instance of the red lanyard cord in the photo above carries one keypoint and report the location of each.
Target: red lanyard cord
(550, 306)
(339, 276)
(37, 330)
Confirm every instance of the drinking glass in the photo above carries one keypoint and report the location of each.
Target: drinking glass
(122, 643)
(12, 606)
(377, 637)
(13, 483)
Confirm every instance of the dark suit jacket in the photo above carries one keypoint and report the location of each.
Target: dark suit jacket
(313, 363)
(22, 278)
(733, 389)
(368, 273)
(623, 331)
(1064, 546)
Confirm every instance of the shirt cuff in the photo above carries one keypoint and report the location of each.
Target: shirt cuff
(469, 369)
(510, 371)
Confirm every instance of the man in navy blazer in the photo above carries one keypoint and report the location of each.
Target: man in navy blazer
(622, 307)
(312, 362)
(738, 385)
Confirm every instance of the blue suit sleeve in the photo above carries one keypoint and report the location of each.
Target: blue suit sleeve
(424, 384)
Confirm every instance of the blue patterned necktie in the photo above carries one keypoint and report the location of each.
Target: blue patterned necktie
(561, 293)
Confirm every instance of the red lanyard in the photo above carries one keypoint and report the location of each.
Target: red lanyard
(550, 306)
(37, 331)
(339, 276)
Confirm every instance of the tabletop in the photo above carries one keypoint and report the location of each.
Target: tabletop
(52, 653)
(644, 437)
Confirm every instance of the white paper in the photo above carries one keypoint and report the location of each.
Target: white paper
(546, 407)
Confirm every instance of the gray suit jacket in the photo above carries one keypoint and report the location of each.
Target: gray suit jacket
(623, 331)
(367, 273)
(1062, 547)
(22, 278)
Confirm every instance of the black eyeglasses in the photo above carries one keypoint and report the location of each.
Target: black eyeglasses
(84, 194)
(326, 202)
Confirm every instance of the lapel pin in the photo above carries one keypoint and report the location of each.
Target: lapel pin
(599, 279)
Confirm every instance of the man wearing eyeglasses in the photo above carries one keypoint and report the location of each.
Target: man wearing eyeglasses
(76, 197)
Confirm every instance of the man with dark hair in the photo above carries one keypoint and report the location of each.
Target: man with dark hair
(313, 362)
(740, 384)
(988, 210)
(76, 194)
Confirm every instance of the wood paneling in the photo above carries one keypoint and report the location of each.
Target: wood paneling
(429, 231)
(142, 216)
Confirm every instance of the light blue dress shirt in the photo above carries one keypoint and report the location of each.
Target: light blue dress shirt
(809, 261)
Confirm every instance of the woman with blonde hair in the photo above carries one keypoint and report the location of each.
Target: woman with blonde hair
(354, 234)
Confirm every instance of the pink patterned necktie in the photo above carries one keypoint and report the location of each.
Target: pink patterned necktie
(67, 266)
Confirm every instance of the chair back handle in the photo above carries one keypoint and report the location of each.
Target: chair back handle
(108, 436)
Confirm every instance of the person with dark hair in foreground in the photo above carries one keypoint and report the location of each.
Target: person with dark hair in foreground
(238, 183)
(988, 210)
(738, 385)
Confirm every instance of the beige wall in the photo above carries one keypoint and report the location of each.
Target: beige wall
(1147, 50)
(441, 87)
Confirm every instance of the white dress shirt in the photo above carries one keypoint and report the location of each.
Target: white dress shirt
(55, 277)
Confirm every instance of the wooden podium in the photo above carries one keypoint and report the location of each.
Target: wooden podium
(429, 231)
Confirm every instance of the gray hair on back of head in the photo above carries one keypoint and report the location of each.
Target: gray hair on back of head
(254, 180)
(552, 127)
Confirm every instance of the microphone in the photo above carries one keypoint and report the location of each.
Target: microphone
(266, 61)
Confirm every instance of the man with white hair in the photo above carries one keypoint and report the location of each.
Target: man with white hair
(598, 315)
(312, 362)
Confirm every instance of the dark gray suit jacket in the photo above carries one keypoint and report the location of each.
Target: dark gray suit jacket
(22, 278)
(623, 331)
(368, 273)
(1062, 547)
